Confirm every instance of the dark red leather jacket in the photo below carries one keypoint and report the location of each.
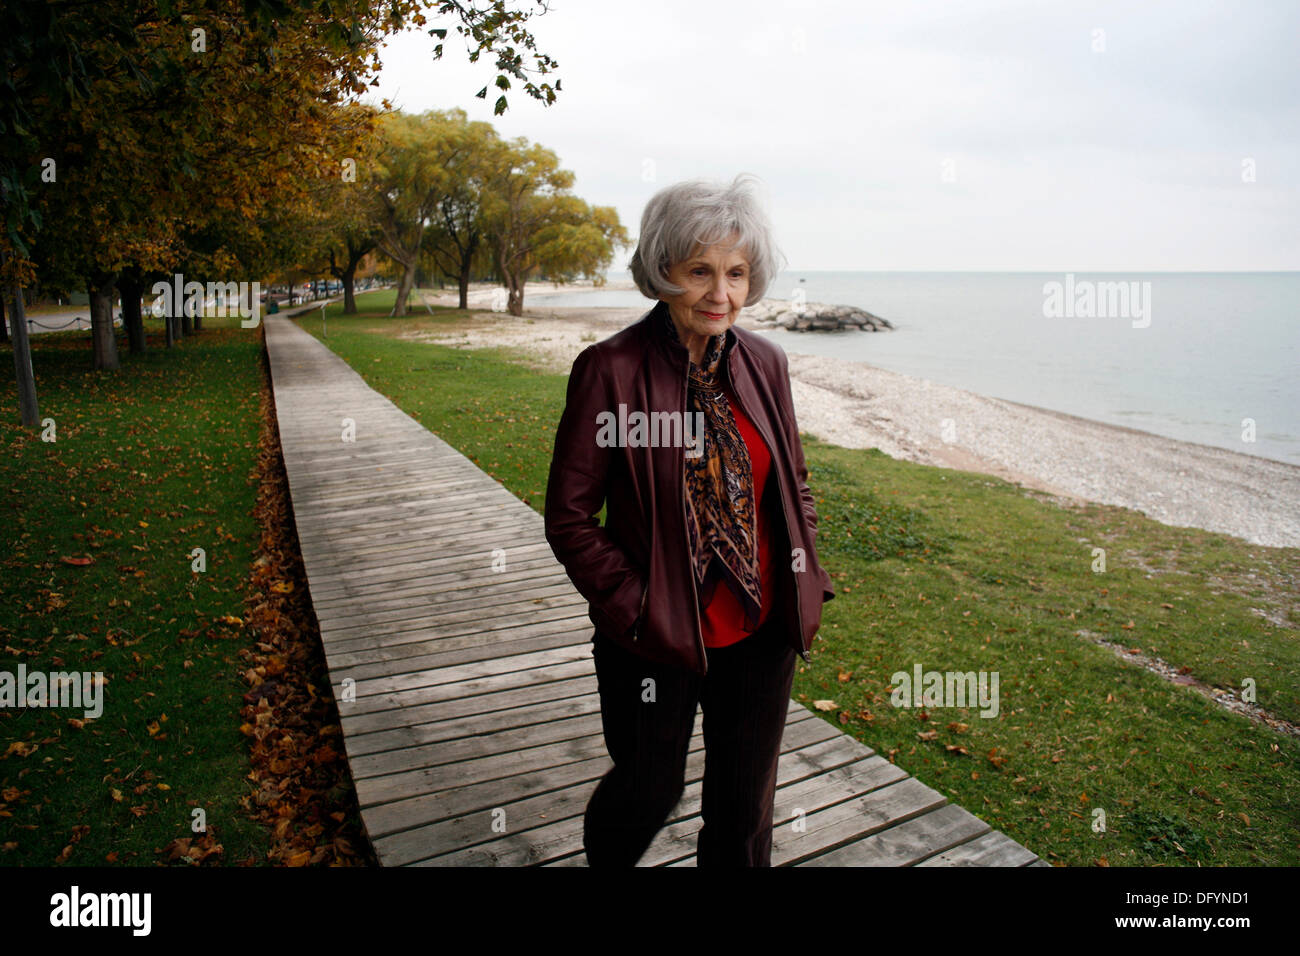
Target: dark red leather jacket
(636, 570)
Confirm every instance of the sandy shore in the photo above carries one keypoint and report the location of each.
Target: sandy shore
(857, 405)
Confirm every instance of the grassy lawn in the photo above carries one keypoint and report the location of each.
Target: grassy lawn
(148, 463)
(961, 572)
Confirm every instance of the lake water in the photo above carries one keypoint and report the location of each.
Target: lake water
(1194, 355)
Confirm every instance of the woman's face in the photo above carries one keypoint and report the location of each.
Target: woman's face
(716, 284)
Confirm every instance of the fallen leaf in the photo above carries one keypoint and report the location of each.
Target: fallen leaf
(825, 704)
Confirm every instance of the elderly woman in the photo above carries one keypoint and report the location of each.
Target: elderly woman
(703, 582)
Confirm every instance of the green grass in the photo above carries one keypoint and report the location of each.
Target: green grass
(149, 462)
(959, 571)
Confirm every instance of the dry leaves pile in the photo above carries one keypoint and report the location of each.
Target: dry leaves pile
(304, 790)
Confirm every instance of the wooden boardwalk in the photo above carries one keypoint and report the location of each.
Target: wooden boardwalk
(468, 695)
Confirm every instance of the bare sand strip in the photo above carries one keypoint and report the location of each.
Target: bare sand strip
(857, 405)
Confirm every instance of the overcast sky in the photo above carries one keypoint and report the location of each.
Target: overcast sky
(925, 136)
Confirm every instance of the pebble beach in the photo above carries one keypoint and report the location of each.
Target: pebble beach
(858, 405)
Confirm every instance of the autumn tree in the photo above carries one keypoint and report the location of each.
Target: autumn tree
(538, 226)
(458, 236)
(415, 168)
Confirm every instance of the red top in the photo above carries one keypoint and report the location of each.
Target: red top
(723, 621)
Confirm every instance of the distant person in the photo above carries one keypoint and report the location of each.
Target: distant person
(704, 581)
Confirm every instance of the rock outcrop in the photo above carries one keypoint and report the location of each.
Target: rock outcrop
(814, 317)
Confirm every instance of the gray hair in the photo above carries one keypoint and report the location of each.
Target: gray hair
(701, 212)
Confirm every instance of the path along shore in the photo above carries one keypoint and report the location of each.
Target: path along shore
(857, 405)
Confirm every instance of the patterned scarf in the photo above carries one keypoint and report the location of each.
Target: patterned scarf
(722, 517)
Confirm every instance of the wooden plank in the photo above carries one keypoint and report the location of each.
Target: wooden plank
(991, 849)
(565, 637)
(400, 702)
(507, 742)
(853, 820)
(485, 722)
(469, 643)
(516, 612)
(361, 728)
(908, 842)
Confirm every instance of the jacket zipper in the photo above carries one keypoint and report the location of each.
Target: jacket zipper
(788, 536)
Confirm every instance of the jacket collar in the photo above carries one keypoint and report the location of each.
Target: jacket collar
(671, 349)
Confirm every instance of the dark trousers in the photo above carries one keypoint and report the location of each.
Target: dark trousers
(744, 696)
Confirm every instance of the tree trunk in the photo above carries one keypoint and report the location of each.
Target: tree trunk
(4, 325)
(404, 287)
(514, 289)
(169, 322)
(349, 295)
(462, 282)
(27, 407)
(187, 320)
(132, 315)
(103, 337)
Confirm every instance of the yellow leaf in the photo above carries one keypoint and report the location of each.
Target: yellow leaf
(825, 704)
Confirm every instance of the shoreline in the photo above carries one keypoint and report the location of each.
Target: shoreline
(858, 405)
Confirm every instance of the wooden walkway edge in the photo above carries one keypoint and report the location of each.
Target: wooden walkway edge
(466, 688)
